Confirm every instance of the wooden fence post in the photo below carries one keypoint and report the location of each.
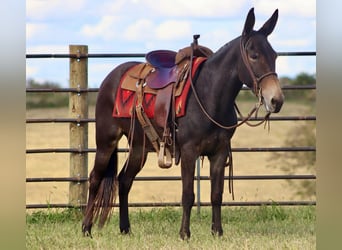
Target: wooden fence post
(78, 109)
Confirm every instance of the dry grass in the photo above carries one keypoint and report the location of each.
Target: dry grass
(55, 135)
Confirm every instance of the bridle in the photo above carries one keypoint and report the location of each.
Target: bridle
(255, 80)
(256, 90)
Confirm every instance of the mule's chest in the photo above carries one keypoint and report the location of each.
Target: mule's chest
(215, 141)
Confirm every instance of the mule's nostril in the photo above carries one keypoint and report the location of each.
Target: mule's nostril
(276, 104)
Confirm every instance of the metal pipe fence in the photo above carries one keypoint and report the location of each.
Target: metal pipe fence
(81, 120)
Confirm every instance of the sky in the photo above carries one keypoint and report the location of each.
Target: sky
(139, 26)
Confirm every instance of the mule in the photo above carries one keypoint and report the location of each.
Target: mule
(248, 59)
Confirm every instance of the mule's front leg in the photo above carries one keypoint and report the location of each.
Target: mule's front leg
(188, 197)
(217, 184)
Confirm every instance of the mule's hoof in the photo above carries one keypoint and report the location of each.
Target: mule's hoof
(184, 235)
(217, 232)
(125, 231)
(87, 234)
(86, 231)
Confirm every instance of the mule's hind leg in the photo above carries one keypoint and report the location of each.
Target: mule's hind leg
(105, 168)
(131, 168)
(103, 158)
(108, 133)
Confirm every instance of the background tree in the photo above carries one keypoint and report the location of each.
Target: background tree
(45, 99)
(301, 135)
(50, 99)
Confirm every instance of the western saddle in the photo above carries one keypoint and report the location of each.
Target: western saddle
(164, 74)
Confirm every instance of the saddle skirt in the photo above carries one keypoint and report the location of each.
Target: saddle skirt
(125, 100)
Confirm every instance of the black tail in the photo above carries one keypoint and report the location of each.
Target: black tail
(107, 192)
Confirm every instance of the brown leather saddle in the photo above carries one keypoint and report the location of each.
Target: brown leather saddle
(162, 68)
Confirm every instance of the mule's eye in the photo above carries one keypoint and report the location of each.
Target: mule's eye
(254, 56)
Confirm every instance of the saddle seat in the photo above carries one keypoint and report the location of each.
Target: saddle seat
(164, 68)
(167, 64)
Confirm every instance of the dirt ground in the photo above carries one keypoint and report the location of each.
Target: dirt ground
(55, 135)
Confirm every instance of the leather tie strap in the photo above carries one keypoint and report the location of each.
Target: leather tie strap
(164, 154)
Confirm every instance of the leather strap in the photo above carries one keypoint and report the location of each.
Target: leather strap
(144, 120)
(164, 154)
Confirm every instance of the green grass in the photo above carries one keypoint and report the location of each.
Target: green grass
(265, 227)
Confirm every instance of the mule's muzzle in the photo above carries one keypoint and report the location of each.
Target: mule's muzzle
(272, 95)
(273, 104)
(277, 103)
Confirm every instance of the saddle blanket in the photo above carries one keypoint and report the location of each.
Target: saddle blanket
(125, 99)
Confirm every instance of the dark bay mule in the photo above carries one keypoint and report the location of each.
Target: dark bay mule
(249, 59)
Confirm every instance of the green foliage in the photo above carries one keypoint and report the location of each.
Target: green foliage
(45, 99)
(274, 212)
(303, 134)
(50, 99)
(304, 79)
(45, 85)
(301, 79)
(54, 216)
(294, 162)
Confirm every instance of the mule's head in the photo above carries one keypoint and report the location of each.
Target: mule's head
(257, 67)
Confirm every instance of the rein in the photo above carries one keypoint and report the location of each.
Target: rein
(255, 86)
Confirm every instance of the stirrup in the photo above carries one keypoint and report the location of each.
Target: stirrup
(164, 157)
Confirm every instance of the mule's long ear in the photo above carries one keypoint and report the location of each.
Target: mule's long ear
(269, 25)
(249, 23)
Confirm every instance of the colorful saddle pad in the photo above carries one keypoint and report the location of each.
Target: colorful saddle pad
(126, 97)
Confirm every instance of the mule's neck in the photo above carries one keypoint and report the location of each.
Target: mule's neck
(223, 83)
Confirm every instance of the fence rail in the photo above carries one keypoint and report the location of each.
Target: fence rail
(129, 55)
(125, 150)
(81, 120)
(178, 178)
(79, 90)
(88, 120)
